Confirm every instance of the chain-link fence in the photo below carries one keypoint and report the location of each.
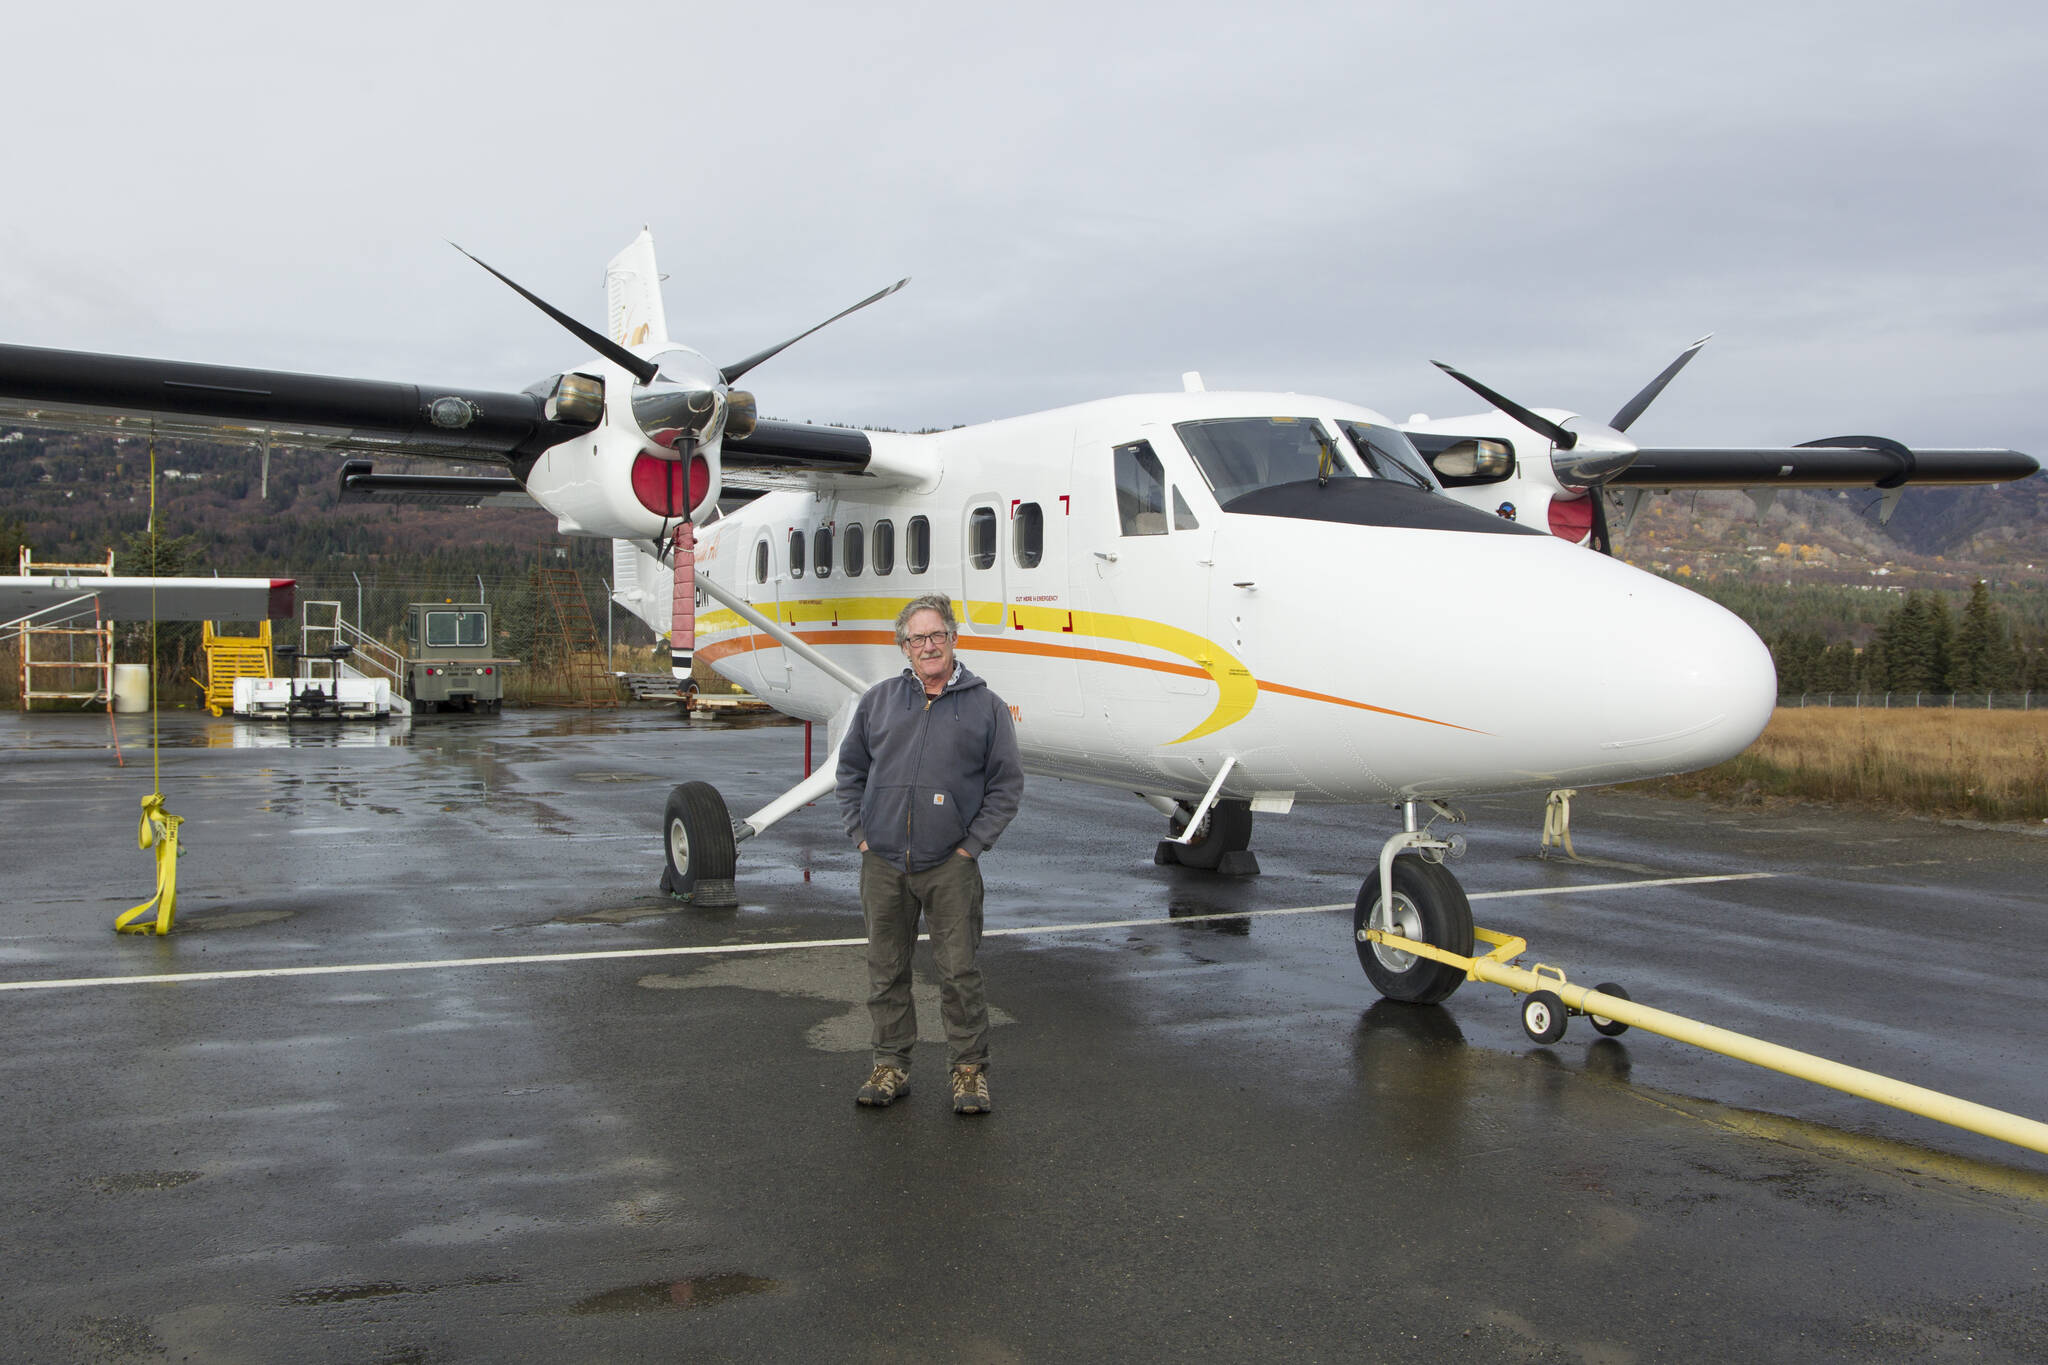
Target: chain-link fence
(1973, 701)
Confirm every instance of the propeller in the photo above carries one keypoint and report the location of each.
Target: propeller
(1633, 408)
(642, 370)
(1559, 437)
(731, 373)
(694, 405)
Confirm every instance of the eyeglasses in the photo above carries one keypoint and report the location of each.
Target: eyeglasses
(920, 641)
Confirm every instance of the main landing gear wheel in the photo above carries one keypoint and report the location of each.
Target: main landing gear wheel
(701, 854)
(1222, 845)
(1543, 1016)
(1428, 906)
(1613, 1028)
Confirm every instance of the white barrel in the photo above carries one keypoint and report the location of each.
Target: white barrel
(131, 688)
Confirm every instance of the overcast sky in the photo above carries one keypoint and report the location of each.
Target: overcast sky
(1090, 199)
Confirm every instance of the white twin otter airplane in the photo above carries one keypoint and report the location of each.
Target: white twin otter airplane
(1226, 603)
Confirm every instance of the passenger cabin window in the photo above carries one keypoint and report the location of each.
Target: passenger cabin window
(1140, 490)
(1027, 535)
(821, 558)
(917, 545)
(885, 546)
(981, 537)
(796, 554)
(1239, 454)
(761, 562)
(850, 548)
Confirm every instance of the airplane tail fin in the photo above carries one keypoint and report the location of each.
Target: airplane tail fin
(632, 290)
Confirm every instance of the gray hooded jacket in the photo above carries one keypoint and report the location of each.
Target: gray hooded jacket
(919, 779)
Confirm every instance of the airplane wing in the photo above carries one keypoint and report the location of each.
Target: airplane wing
(129, 396)
(140, 599)
(1841, 462)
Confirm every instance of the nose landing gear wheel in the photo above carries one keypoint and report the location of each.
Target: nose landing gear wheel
(1543, 1016)
(698, 840)
(1611, 1027)
(1428, 906)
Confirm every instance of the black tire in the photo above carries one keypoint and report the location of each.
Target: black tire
(1429, 907)
(1613, 1028)
(699, 854)
(1543, 1016)
(1229, 831)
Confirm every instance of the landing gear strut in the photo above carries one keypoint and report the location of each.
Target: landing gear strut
(1426, 905)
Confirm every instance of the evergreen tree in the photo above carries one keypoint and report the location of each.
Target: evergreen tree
(1981, 658)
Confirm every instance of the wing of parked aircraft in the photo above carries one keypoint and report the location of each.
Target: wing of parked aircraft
(1550, 466)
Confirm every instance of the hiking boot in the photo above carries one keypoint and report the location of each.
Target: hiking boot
(884, 1088)
(970, 1090)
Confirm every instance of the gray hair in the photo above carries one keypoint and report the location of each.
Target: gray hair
(931, 601)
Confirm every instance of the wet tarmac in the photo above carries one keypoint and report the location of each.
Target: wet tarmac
(639, 1141)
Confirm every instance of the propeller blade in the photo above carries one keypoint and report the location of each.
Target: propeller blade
(642, 370)
(1633, 408)
(731, 373)
(1559, 437)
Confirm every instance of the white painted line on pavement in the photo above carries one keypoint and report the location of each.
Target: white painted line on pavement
(718, 949)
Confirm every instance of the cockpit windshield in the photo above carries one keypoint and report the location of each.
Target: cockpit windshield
(1239, 454)
(1389, 454)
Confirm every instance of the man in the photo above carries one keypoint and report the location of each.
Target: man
(929, 775)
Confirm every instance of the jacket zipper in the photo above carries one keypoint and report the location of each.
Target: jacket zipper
(924, 729)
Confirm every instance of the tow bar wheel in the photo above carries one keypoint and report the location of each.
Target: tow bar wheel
(1611, 1027)
(1428, 906)
(1543, 1016)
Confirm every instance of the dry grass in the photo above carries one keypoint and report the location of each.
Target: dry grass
(1989, 765)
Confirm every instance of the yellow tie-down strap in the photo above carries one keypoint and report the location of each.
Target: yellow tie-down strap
(160, 828)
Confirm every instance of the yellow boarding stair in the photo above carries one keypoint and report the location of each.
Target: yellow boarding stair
(229, 657)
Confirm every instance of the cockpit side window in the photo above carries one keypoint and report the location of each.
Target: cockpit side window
(1140, 490)
(1239, 454)
(1389, 454)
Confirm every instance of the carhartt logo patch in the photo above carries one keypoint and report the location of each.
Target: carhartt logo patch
(938, 798)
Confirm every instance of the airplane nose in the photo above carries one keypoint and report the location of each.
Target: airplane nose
(1690, 683)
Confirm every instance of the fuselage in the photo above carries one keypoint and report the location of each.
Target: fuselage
(1158, 584)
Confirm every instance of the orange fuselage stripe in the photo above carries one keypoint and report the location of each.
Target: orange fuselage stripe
(1003, 644)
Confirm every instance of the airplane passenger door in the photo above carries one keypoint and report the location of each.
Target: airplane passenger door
(771, 661)
(984, 592)
(1142, 561)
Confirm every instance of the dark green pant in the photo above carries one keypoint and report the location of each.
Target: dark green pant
(949, 898)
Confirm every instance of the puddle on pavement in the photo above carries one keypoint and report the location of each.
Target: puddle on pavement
(348, 1293)
(704, 1291)
(385, 1289)
(625, 914)
(838, 979)
(618, 777)
(138, 1182)
(206, 921)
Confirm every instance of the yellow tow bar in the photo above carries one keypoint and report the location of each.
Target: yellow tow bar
(1544, 985)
